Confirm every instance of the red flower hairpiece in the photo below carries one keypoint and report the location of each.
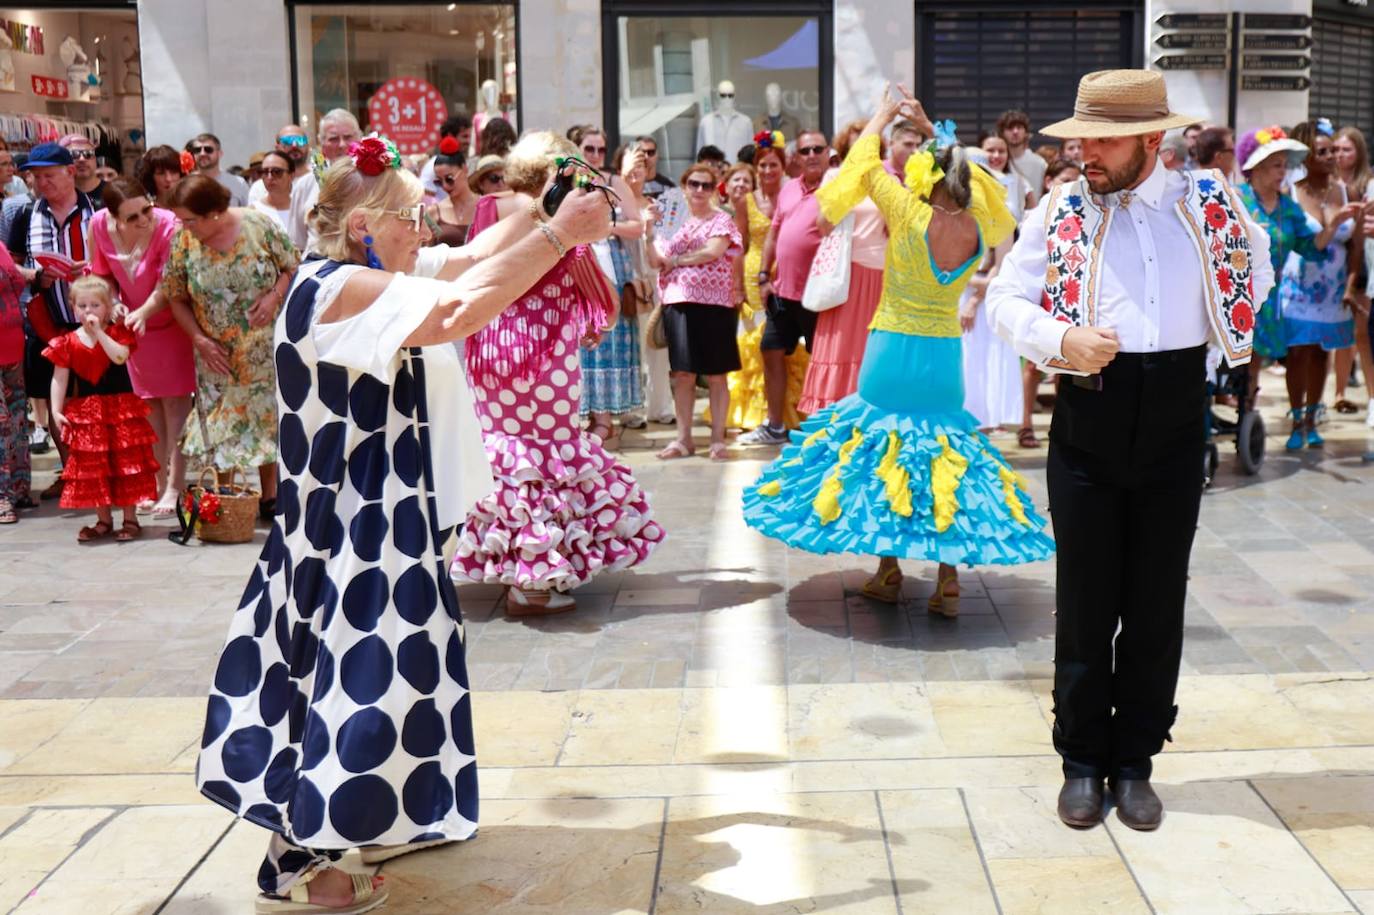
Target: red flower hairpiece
(373, 155)
(449, 146)
(188, 162)
(766, 139)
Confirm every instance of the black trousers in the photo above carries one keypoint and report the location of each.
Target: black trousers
(1125, 486)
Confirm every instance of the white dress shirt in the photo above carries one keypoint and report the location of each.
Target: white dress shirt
(1152, 291)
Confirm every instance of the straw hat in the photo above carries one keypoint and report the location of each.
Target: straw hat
(488, 163)
(1119, 103)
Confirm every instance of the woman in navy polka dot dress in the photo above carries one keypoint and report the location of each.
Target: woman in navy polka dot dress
(339, 715)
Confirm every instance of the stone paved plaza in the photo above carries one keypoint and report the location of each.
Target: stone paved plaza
(733, 729)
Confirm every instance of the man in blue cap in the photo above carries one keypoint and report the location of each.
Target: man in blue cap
(58, 223)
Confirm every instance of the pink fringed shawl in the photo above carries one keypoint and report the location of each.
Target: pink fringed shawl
(519, 342)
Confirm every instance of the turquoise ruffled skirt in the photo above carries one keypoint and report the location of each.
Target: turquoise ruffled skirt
(899, 469)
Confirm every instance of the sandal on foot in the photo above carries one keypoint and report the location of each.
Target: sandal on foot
(520, 602)
(145, 507)
(674, 451)
(885, 586)
(942, 603)
(130, 530)
(365, 899)
(380, 853)
(1345, 406)
(163, 511)
(1025, 437)
(7, 513)
(25, 503)
(97, 531)
(720, 452)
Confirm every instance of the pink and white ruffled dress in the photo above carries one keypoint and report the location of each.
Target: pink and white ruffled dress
(564, 509)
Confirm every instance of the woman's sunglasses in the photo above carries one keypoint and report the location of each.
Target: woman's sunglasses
(414, 215)
(273, 172)
(700, 185)
(451, 180)
(493, 178)
(141, 214)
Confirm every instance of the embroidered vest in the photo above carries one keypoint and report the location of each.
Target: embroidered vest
(1075, 228)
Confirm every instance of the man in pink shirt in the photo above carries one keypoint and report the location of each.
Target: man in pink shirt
(787, 253)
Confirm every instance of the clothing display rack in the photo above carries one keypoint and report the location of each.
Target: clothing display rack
(24, 131)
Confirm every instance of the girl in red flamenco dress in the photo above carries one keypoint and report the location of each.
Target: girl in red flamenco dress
(102, 421)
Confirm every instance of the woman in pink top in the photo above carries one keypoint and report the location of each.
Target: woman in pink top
(696, 282)
(842, 331)
(130, 243)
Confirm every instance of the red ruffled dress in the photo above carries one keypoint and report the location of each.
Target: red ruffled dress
(110, 459)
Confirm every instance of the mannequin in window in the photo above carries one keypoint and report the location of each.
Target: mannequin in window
(488, 107)
(725, 127)
(78, 66)
(774, 118)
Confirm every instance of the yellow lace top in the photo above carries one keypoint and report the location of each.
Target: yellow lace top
(758, 231)
(918, 298)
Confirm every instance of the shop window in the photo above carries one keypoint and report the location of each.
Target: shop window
(72, 70)
(402, 70)
(1343, 73)
(671, 70)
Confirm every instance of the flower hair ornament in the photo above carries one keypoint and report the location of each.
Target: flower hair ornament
(374, 154)
(1269, 135)
(770, 139)
(1324, 127)
(187, 162)
(945, 134)
(449, 146)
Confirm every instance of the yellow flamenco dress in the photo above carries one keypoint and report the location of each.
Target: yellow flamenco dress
(748, 399)
(899, 468)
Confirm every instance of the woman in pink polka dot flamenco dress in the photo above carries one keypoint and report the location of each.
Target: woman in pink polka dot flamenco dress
(564, 510)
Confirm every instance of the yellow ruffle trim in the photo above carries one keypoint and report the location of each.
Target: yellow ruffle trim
(895, 477)
(947, 469)
(827, 502)
(1010, 480)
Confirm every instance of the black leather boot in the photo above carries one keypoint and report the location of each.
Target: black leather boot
(1080, 802)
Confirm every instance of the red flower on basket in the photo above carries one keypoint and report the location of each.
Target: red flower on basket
(1216, 215)
(1070, 228)
(209, 506)
(1243, 317)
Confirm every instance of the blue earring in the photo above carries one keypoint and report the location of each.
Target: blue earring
(372, 260)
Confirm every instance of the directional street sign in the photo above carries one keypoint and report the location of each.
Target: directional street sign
(1274, 83)
(1276, 62)
(1268, 41)
(1195, 41)
(1192, 21)
(1192, 62)
(1277, 21)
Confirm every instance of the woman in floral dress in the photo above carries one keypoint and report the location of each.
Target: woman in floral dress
(226, 279)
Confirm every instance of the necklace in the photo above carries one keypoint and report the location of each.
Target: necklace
(948, 212)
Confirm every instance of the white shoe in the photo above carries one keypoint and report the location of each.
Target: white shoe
(763, 435)
(1369, 415)
(520, 602)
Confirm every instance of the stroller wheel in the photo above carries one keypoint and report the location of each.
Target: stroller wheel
(1250, 442)
(1209, 464)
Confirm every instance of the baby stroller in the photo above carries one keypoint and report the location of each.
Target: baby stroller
(1248, 426)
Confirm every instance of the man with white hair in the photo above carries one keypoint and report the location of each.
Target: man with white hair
(1173, 152)
(338, 130)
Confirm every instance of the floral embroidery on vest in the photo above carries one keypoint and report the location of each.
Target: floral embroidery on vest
(1211, 212)
(1074, 231)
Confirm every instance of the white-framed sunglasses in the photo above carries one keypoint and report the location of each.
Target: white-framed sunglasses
(414, 215)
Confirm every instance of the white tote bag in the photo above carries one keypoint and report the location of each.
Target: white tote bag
(827, 285)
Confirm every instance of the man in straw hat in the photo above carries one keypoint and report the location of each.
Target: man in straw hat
(1119, 281)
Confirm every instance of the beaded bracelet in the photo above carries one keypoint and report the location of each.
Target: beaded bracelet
(553, 239)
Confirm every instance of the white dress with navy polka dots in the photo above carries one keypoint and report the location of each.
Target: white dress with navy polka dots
(339, 714)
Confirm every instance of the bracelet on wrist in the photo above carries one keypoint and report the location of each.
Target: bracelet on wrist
(552, 236)
(535, 214)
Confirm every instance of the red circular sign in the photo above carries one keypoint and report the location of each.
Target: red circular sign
(409, 111)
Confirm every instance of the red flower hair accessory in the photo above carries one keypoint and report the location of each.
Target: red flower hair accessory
(374, 154)
(188, 162)
(449, 146)
(766, 139)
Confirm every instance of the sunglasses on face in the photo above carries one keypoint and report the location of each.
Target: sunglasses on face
(82, 153)
(204, 150)
(272, 172)
(496, 178)
(451, 180)
(810, 150)
(414, 215)
(700, 185)
(648, 151)
(594, 150)
(292, 141)
(141, 214)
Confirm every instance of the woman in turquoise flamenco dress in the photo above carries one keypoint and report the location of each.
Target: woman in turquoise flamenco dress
(899, 469)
